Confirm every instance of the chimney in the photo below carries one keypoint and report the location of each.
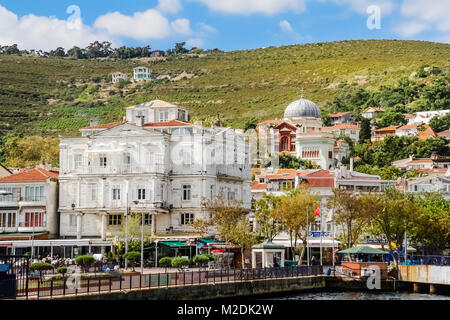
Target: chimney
(351, 164)
(140, 121)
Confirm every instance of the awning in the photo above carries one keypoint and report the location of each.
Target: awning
(174, 244)
(362, 250)
(311, 243)
(209, 241)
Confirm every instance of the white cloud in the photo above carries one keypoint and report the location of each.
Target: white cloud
(286, 26)
(181, 26)
(45, 33)
(195, 42)
(410, 29)
(254, 6)
(433, 12)
(150, 24)
(206, 28)
(360, 6)
(169, 6)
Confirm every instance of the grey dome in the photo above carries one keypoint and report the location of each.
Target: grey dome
(302, 108)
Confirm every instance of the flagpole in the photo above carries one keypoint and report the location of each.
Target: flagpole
(332, 226)
(307, 234)
(321, 223)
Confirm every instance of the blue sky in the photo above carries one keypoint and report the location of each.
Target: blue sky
(224, 24)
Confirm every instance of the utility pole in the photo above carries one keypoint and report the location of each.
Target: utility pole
(321, 223)
(126, 229)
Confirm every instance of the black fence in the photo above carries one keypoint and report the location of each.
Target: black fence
(76, 284)
(15, 277)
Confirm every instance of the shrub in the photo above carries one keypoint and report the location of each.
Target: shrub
(201, 260)
(84, 261)
(62, 270)
(179, 262)
(166, 262)
(133, 256)
(210, 257)
(41, 266)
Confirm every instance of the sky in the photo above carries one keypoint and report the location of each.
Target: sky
(224, 24)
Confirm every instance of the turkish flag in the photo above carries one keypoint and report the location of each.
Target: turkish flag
(317, 210)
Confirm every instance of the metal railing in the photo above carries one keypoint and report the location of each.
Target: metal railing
(109, 282)
(415, 259)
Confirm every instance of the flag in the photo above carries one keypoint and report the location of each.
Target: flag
(317, 213)
(330, 215)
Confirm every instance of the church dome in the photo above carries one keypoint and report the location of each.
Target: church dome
(302, 108)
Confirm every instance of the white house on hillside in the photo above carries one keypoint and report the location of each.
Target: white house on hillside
(117, 76)
(150, 164)
(142, 73)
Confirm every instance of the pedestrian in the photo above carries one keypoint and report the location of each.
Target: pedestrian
(313, 260)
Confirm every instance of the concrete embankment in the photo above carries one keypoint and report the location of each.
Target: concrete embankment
(213, 291)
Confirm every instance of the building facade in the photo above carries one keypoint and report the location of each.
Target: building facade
(117, 76)
(142, 73)
(162, 170)
(29, 205)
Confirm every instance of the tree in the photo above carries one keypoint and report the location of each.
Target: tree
(349, 215)
(30, 151)
(432, 226)
(76, 53)
(62, 270)
(268, 228)
(394, 213)
(133, 257)
(179, 48)
(293, 211)
(179, 262)
(85, 261)
(201, 260)
(230, 222)
(41, 266)
(365, 133)
(439, 124)
(58, 52)
(251, 123)
(288, 161)
(165, 262)
(391, 119)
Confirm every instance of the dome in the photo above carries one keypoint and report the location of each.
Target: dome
(302, 108)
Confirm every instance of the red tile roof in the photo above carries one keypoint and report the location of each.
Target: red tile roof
(341, 126)
(320, 179)
(409, 126)
(444, 133)
(390, 128)
(171, 123)
(258, 186)
(374, 109)
(284, 176)
(428, 133)
(421, 161)
(103, 126)
(36, 174)
(337, 115)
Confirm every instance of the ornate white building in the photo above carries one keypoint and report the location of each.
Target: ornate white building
(153, 163)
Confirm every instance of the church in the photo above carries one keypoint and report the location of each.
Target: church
(299, 134)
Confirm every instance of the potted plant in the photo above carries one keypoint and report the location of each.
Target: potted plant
(180, 263)
(201, 260)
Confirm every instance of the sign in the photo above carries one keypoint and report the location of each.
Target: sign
(4, 267)
(317, 213)
(316, 234)
(5, 244)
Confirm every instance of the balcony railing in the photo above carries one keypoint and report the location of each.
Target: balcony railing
(124, 169)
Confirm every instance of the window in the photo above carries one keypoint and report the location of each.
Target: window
(141, 194)
(127, 159)
(14, 196)
(78, 161)
(163, 116)
(34, 193)
(187, 218)
(231, 195)
(8, 220)
(115, 219)
(116, 194)
(181, 115)
(103, 162)
(187, 156)
(73, 220)
(162, 191)
(34, 219)
(284, 144)
(93, 191)
(187, 192)
(147, 219)
(211, 190)
(330, 154)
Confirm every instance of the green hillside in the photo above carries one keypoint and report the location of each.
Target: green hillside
(50, 96)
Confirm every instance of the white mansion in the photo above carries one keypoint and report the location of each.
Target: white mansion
(153, 163)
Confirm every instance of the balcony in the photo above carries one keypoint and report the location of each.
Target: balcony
(124, 169)
(235, 170)
(33, 201)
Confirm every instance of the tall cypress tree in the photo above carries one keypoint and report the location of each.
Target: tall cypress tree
(364, 133)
